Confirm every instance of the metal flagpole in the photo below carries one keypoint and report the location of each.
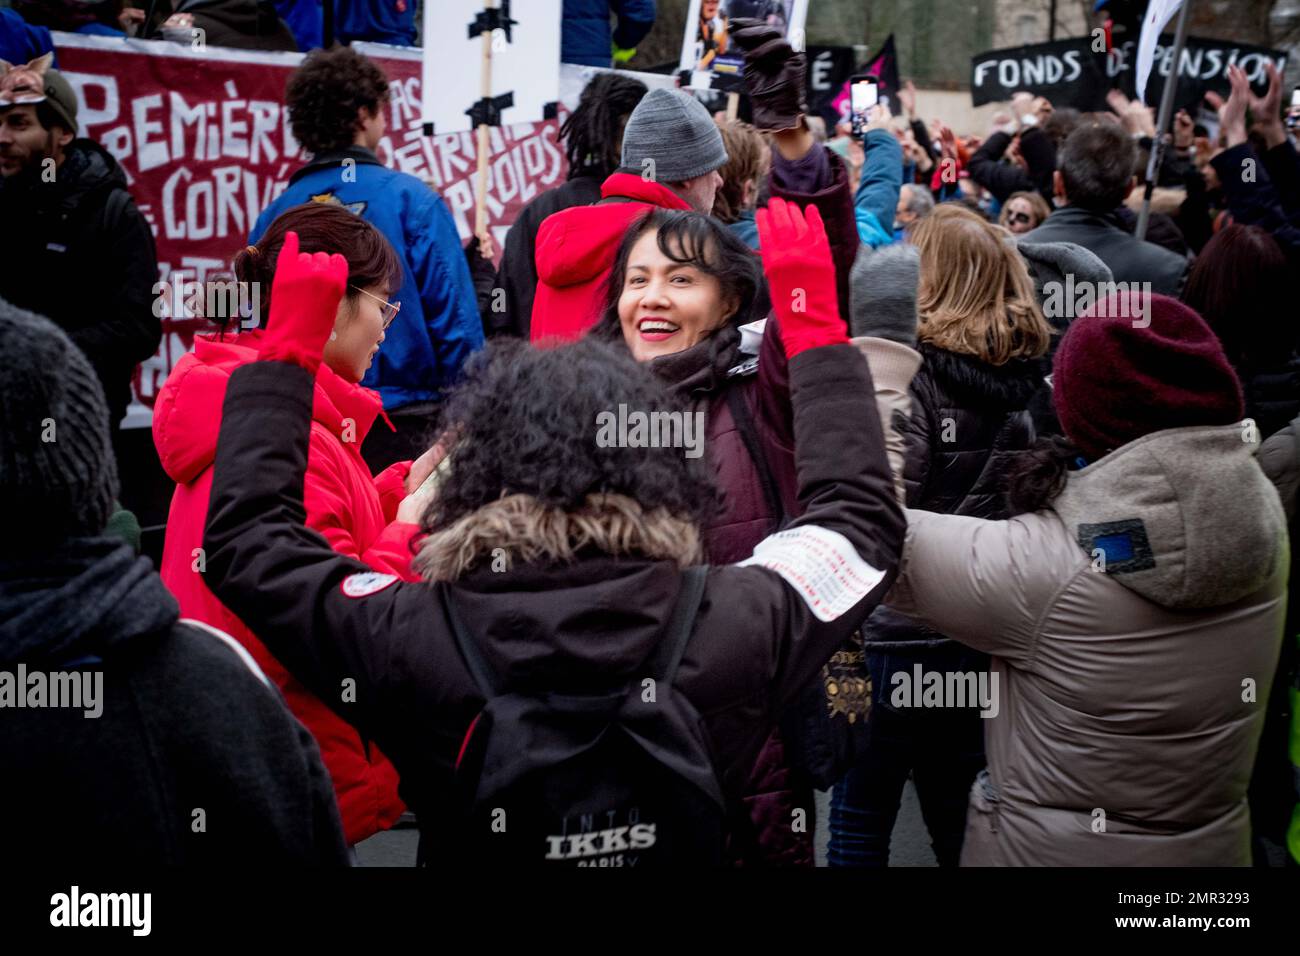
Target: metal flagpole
(1163, 121)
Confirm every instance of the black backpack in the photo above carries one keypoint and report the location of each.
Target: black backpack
(617, 776)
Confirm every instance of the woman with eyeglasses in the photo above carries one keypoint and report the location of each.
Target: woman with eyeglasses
(357, 513)
(1022, 212)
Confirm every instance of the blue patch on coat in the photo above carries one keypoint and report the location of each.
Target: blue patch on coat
(1124, 544)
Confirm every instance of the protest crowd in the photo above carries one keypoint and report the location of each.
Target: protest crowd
(762, 459)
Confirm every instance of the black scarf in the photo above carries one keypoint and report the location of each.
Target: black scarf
(89, 595)
(701, 370)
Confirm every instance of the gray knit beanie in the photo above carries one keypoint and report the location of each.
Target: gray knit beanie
(56, 455)
(676, 132)
(1056, 262)
(883, 291)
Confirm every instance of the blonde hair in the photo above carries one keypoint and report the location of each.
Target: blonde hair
(975, 294)
(747, 158)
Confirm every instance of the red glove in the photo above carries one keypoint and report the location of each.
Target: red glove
(800, 276)
(305, 300)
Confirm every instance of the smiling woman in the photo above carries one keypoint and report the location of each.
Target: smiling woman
(681, 288)
(677, 279)
(683, 296)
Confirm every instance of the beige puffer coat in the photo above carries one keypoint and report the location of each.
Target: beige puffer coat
(1135, 626)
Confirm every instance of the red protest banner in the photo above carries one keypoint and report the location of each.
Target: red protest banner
(204, 138)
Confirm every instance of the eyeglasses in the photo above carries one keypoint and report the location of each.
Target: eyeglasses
(1019, 217)
(390, 309)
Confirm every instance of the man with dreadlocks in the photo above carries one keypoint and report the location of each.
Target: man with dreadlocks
(593, 143)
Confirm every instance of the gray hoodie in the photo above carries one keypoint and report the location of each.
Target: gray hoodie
(1135, 626)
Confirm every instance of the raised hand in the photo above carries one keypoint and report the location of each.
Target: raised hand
(1003, 122)
(305, 298)
(774, 74)
(1266, 110)
(947, 140)
(801, 276)
(907, 99)
(1184, 130)
(878, 117)
(1232, 112)
(1137, 117)
(1022, 104)
(1013, 154)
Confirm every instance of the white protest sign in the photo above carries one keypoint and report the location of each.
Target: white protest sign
(525, 61)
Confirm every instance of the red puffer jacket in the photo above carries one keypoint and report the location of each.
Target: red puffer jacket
(351, 510)
(576, 248)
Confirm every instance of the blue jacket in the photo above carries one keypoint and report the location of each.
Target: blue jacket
(439, 326)
(379, 21)
(305, 21)
(876, 200)
(586, 37)
(1258, 201)
(20, 42)
(99, 30)
(746, 227)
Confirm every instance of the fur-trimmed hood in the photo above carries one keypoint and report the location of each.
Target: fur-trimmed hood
(519, 529)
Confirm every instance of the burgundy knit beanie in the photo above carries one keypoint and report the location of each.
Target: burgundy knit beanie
(1114, 381)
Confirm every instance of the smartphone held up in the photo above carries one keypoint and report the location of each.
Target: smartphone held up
(864, 93)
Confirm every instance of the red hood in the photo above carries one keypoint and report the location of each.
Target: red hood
(187, 413)
(577, 245)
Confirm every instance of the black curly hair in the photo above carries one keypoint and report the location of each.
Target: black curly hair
(525, 421)
(593, 133)
(698, 240)
(1037, 475)
(325, 93)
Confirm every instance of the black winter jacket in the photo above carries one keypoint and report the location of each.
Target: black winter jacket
(1130, 259)
(1002, 178)
(191, 760)
(79, 252)
(757, 641)
(1272, 394)
(517, 274)
(969, 421)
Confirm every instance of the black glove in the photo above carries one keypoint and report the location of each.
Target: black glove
(774, 74)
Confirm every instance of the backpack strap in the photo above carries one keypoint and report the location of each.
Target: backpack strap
(113, 209)
(479, 668)
(668, 655)
(749, 435)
